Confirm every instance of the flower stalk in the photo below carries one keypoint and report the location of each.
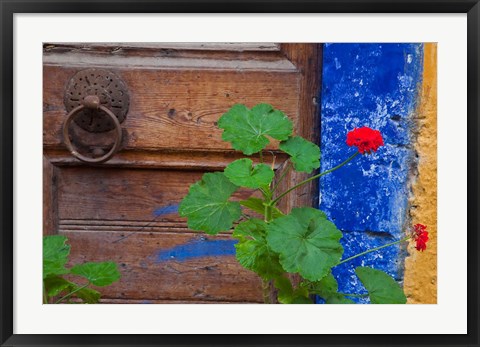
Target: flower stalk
(374, 249)
(314, 177)
(72, 292)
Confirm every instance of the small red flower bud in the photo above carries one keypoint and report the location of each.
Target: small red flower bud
(420, 235)
(365, 139)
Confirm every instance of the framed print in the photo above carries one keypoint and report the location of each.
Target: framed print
(167, 164)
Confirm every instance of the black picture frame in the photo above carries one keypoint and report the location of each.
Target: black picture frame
(9, 8)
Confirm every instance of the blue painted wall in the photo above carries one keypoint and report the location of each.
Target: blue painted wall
(374, 85)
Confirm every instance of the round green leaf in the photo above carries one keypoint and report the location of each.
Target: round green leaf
(88, 295)
(206, 205)
(327, 288)
(305, 155)
(253, 228)
(99, 274)
(55, 255)
(307, 242)
(382, 289)
(247, 129)
(242, 173)
(55, 285)
(252, 251)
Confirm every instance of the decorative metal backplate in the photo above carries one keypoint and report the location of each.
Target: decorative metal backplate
(111, 90)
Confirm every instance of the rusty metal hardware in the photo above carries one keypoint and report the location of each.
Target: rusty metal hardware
(97, 101)
(111, 92)
(92, 102)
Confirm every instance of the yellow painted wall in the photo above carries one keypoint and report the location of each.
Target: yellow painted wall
(420, 283)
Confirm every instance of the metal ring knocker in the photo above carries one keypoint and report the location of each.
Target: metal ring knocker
(92, 102)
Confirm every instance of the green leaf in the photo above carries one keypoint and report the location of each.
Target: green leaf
(252, 229)
(242, 173)
(305, 155)
(247, 129)
(382, 288)
(327, 288)
(88, 295)
(257, 205)
(288, 295)
(338, 299)
(206, 205)
(252, 251)
(55, 255)
(307, 242)
(285, 289)
(55, 285)
(99, 274)
(301, 300)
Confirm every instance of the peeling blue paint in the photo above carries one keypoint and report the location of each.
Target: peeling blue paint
(374, 85)
(165, 210)
(198, 248)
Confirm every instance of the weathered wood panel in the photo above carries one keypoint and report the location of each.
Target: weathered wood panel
(150, 273)
(124, 198)
(163, 47)
(174, 109)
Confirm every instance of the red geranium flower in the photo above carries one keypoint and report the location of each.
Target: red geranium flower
(365, 139)
(420, 235)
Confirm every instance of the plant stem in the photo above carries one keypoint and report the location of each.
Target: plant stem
(71, 293)
(260, 154)
(268, 213)
(45, 297)
(264, 193)
(314, 177)
(266, 283)
(266, 291)
(284, 173)
(373, 250)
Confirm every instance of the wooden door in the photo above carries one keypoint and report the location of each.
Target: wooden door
(124, 210)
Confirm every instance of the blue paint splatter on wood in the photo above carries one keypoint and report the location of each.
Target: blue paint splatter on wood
(374, 85)
(165, 210)
(198, 248)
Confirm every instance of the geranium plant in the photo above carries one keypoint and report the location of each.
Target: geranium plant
(57, 289)
(304, 241)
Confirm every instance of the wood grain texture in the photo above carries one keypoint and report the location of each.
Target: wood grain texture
(50, 202)
(86, 193)
(177, 94)
(173, 109)
(198, 50)
(307, 58)
(218, 278)
(216, 46)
